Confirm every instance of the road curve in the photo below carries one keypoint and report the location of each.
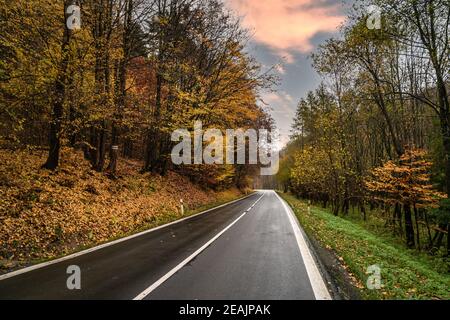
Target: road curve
(248, 250)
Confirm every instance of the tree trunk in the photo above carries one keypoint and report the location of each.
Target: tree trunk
(113, 161)
(398, 218)
(363, 210)
(58, 103)
(336, 207)
(101, 148)
(437, 242)
(121, 78)
(448, 240)
(128, 148)
(416, 218)
(430, 241)
(409, 228)
(379, 99)
(152, 154)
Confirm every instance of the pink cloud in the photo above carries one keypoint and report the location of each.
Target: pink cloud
(287, 25)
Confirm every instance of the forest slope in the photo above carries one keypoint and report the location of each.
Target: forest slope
(47, 214)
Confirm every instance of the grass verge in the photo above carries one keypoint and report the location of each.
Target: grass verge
(405, 274)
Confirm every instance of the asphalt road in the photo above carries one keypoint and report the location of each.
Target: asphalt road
(251, 249)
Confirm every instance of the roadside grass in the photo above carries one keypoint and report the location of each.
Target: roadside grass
(164, 218)
(172, 216)
(224, 197)
(376, 223)
(405, 274)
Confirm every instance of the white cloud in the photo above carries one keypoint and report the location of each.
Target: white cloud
(288, 26)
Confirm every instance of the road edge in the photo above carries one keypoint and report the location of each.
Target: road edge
(114, 242)
(318, 276)
(177, 268)
(340, 283)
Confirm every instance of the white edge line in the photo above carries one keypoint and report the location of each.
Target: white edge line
(108, 244)
(317, 283)
(168, 275)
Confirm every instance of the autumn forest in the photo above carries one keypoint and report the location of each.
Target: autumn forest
(375, 135)
(92, 90)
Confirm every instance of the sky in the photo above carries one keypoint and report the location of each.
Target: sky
(287, 32)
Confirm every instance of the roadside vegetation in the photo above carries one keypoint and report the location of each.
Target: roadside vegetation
(357, 244)
(374, 137)
(46, 214)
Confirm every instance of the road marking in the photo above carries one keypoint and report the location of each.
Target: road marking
(317, 282)
(105, 245)
(168, 275)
